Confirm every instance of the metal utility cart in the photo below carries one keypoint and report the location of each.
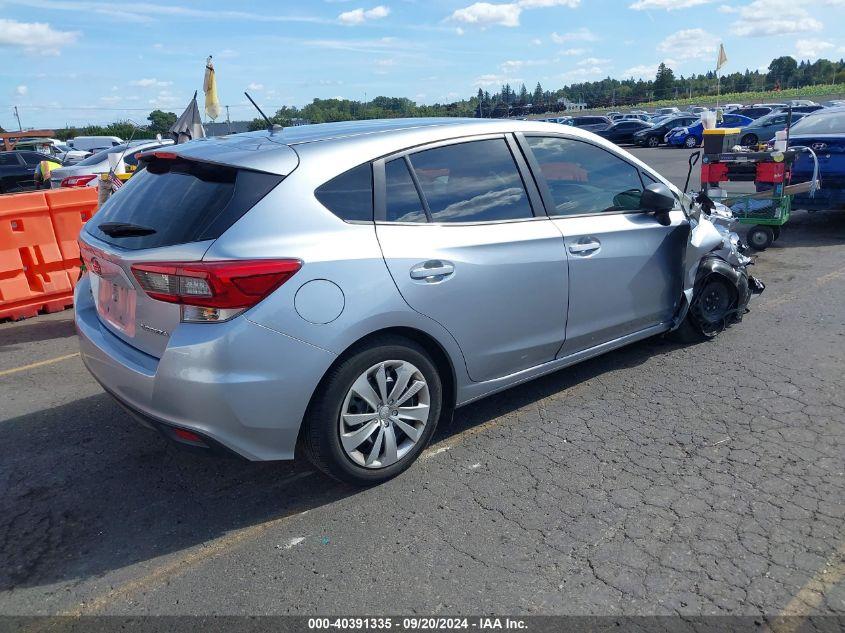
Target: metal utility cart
(768, 208)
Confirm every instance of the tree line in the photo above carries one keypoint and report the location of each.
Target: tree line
(782, 73)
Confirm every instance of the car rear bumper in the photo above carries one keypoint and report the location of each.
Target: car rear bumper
(237, 384)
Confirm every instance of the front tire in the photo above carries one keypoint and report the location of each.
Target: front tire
(653, 141)
(374, 412)
(708, 314)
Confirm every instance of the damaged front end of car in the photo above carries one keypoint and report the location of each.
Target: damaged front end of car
(717, 286)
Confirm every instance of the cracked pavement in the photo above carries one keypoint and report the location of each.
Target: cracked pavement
(657, 479)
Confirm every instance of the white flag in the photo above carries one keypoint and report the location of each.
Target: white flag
(723, 59)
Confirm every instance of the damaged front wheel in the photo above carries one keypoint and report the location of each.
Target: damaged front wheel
(708, 314)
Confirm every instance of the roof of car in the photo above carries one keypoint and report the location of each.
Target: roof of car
(280, 151)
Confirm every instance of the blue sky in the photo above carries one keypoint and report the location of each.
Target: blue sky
(77, 61)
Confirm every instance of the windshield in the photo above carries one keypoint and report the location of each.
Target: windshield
(827, 123)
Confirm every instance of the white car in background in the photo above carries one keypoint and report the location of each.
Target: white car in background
(86, 173)
(94, 143)
(55, 148)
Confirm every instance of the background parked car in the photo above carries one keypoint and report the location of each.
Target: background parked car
(94, 143)
(763, 129)
(824, 133)
(591, 123)
(623, 131)
(693, 135)
(754, 112)
(805, 109)
(17, 170)
(653, 136)
(670, 110)
(730, 107)
(86, 173)
(54, 148)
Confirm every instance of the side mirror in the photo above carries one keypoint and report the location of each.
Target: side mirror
(658, 198)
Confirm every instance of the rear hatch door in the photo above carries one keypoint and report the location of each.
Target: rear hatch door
(170, 211)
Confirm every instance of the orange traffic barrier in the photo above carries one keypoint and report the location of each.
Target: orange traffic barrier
(39, 257)
(69, 210)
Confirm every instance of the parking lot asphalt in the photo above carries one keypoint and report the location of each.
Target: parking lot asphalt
(657, 479)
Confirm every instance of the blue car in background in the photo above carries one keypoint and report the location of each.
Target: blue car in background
(693, 135)
(824, 133)
(763, 129)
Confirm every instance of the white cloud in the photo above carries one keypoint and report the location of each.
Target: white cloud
(537, 41)
(542, 4)
(690, 44)
(111, 99)
(494, 80)
(21, 91)
(724, 8)
(149, 83)
(359, 16)
(35, 37)
(484, 14)
(811, 49)
(255, 87)
(668, 5)
(774, 17)
(643, 71)
(580, 35)
(573, 52)
(584, 72)
(593, 61)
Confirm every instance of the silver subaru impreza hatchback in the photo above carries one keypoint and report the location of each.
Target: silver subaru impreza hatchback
(341, 288)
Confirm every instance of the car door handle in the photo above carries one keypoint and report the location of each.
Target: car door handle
(432, 270)
(582, 248)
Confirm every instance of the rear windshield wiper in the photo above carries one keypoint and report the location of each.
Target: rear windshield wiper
(124, 229)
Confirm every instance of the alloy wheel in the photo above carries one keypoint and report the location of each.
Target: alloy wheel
(384, 414)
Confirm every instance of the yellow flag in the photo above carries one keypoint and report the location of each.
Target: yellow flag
(723, 58)
(209, 87)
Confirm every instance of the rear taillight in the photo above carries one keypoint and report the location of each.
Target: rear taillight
(214, 291)
(77, 181)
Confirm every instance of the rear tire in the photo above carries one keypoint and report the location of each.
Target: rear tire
(390, 438)
(691, 142)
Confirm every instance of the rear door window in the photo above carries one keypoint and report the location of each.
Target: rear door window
(181, 201)
(476, 181)
(350, 195)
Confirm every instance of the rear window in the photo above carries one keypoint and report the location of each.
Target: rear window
(182, 201)
(826, 123)
(350, 195)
